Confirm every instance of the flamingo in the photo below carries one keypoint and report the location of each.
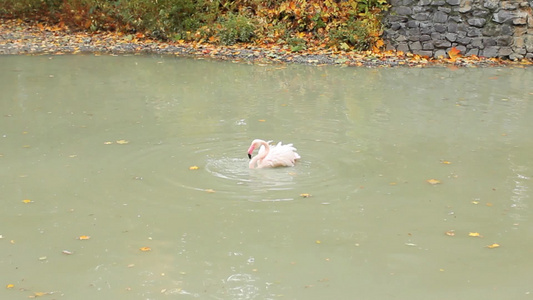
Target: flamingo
(270, 156)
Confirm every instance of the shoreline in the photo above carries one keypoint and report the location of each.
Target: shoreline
(21, 38)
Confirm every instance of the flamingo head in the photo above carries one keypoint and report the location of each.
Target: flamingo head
(250, 151)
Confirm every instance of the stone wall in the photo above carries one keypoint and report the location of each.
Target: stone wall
(488, 28)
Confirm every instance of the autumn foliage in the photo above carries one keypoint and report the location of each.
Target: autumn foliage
(298, 24)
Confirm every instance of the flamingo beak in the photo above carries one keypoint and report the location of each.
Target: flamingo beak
(250, 151)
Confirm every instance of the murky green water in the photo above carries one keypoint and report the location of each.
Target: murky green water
(373, 227)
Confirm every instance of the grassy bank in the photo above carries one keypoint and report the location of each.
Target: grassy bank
(298, 24)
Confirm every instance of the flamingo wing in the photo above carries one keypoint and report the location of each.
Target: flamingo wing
(280, 156)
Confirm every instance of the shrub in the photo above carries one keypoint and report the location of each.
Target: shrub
(235, 28)
(354, 34)
(345, 24)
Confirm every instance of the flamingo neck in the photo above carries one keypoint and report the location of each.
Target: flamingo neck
(260, 156)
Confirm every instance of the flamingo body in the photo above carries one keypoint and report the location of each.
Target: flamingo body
(270, 156)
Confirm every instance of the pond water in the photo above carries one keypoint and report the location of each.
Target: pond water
(104, 157)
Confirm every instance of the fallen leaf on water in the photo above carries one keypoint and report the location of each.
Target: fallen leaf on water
(145, 249)
(474, 234)
(489, 204)
(193, 168)
(38, 294)
(450, 233)
(27, 201)
(445, 162)
(305, 195)
(210, 190)
(318, 242)
(108, 143)
(433, 181)
(84, 237)
(122, 142)
(475, 202)
(10, 286)
(493, 246)
(67, 252)
(261, 120)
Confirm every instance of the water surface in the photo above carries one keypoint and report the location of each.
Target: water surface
(103, 146)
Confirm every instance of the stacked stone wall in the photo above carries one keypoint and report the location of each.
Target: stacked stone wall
(487, 28)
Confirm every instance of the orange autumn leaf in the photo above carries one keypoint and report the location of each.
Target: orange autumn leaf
(454, 53)
(193, 168)
(145, 249)
(84, 237)
(493, 246)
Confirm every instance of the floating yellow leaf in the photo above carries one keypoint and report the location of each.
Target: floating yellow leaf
(445, 162)
(108, 143)
(27, 201)
(474, 234)
(450, 233)
(262, 120)
(493, 246)
(210, 190)
(305, 195)
(10, 286)
(475, 202)
(433, 181)
(318, 242)
(122, 142)
(84, 237)
(39, 294)
(193, 168)
(145, 249)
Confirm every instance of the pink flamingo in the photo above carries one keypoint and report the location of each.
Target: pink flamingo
(270, 156)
